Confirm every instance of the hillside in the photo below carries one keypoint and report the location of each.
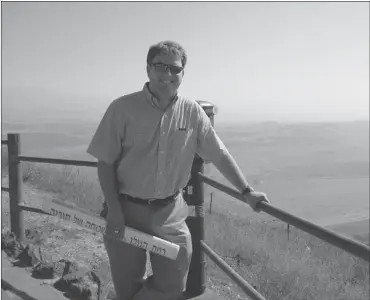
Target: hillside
(257, 247)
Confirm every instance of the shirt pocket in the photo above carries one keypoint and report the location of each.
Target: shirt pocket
(183, 139)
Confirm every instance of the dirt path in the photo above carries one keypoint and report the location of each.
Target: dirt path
(17, 284)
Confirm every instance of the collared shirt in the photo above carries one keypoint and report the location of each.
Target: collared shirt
(153, 148)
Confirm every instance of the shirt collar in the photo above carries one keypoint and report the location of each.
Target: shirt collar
(151, 98)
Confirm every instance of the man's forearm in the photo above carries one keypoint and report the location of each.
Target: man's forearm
(108, 183)
(231, 171)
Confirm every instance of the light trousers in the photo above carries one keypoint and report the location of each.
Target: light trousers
(128, 263)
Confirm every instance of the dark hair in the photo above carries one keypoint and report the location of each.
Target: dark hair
(165, 47)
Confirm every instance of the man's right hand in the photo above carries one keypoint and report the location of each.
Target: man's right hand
(115, 223)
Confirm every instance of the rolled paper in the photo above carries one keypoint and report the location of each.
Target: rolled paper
(97, 224)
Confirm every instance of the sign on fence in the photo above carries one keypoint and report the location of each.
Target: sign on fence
(96, 224)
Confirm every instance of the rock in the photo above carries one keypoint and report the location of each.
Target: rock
(11, 245)
(33, 236)
(44, 270)
(77, 282)
(29, 257)
(82, 285)
(53, 270)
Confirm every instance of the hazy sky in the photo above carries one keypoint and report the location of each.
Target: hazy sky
(255, 61)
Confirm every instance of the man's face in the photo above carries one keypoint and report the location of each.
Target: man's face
(166, 73)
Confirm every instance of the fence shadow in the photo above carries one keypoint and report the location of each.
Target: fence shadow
(6, 286)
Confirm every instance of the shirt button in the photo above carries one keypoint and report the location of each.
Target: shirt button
(161, 152)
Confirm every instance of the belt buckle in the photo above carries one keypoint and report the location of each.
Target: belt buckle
(151, 200)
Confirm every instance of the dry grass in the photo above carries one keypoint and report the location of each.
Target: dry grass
(302, 268)
(68, 182)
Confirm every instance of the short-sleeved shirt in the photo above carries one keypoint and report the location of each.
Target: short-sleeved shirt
(153, 149)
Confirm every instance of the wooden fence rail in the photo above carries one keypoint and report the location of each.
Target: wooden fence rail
(356, 248)
(244, 285)
(58, 161)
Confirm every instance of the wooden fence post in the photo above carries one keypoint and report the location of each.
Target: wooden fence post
(15, 186)
(196, 282)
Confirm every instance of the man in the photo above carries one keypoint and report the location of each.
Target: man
(145, 145)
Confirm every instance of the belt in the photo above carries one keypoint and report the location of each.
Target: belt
(151, 201)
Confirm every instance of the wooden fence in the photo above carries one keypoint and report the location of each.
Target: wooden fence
(196, 278)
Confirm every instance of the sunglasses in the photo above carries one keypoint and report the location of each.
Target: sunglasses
(160, 67)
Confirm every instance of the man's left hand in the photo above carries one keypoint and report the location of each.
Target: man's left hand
(253, 198)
